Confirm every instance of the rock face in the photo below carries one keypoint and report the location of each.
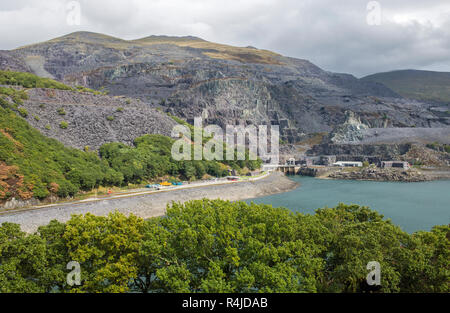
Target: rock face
(190, 77)
(386, 151)
(381, 175)
(349, 132)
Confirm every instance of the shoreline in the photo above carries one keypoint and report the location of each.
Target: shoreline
(151, 204)
(388, 175)
(377, 174)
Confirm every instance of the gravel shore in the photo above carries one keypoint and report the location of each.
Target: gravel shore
(151, 205)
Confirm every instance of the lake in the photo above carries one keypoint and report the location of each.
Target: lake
(412, 206)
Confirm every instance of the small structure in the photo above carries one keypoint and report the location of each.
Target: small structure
(397, 164)
(307, 161)
(348, 164)
(291, 161)
(327, 160)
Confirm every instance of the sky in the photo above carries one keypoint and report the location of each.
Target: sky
(349, 36)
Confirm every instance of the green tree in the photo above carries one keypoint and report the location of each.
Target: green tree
(106, 248)
(23, 263)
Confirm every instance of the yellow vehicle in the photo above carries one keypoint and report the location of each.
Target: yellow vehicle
(166, 184)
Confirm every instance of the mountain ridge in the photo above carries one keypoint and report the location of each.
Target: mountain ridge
(421, 85)
(190, 77)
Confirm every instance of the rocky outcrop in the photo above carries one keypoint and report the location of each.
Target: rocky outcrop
(350, 131)
(8, 61)
(378, 174)
(384, 151)
(313, 171)
(420, 154)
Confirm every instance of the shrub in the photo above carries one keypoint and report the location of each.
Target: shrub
(119, 109)
(28, 80)
(17, 100)
(48, 127)
(4, 103)
(23, 112)
(61, 111)
(447, 148)
(66, 189)
(63, 125)
(110, 118)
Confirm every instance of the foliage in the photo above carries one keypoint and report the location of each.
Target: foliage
(106, 248)
(235, 163)
(28, 80)
(23, 112)
(220, 246)
(42, 161)
(95, 92)
(151, 158)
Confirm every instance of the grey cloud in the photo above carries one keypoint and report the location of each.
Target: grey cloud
(332, 34)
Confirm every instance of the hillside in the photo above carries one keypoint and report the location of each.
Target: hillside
(34, 166)
(189, 77)
(415, 84)
(91, 118)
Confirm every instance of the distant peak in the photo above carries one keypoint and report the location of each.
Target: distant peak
(169, 38)
(85, 35)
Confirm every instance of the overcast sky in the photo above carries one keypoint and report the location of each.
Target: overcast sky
(351, 36)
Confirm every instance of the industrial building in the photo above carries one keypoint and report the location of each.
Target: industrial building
(397, 164)
(348, 164)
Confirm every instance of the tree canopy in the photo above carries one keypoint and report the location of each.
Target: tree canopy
(220, 246)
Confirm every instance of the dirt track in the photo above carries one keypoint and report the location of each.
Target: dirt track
(151, 205)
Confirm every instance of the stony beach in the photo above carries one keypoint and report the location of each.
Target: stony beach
(151, 205)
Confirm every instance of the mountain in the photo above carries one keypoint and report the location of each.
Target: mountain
(34, 166)
(92, 118)
(189, 77)
(415, 84)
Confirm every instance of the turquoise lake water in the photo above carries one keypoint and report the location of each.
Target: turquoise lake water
(412, 206)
